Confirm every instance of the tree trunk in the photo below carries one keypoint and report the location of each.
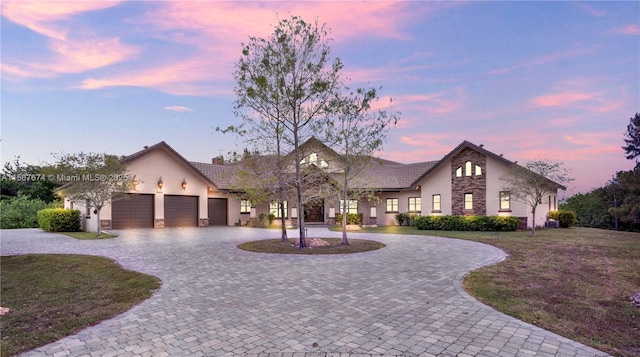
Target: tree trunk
(533, 224)
(283, 222)
(345, 240)
(99, 229)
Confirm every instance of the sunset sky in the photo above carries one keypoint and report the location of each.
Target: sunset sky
(530, 80)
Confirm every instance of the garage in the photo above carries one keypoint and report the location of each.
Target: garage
(180, 211)
(217, 211)
(134, 212)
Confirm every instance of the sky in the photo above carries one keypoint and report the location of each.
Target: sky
(530, 80)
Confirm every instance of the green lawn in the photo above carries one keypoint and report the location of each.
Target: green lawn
(88, 235)
(335, 247)
(575, 282)
(51, 296)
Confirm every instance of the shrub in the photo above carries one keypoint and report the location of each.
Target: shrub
(20, 212)
(59, 220)
(352, 218)
(262, 221)
(565, 218)
(467, 223)
(401, 218)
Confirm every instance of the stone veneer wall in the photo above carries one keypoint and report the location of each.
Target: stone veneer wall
(477, 185)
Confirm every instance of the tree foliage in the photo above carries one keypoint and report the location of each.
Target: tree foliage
(613, 206)
(632, 139)
(285, 82)
(21, 211)
(29, 180)
(356, 134)
(531, 183)
(94, 178)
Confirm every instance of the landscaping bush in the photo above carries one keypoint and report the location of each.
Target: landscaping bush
(565, 218)
(20, 211)
(467, 223)
(59, 220)
(262, 221)
(401, 218)
(352, 218)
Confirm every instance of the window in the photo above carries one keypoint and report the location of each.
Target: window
(468, 201)
(316, 160)
(415, 204)
(274, 208)
(352, 206)
(245, 206)
(478, 170)
(87, 204)
(467, 168)
(505, 200)
(392, 205)
(459, 172)
(436, 199)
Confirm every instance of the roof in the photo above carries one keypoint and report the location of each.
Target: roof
(164, 146)
(380, 174)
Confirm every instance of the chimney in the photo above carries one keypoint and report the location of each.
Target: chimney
(217, 161)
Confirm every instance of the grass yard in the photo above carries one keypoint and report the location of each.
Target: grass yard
(575, 282)
(88, 235)
(51, 296)
(334, 247)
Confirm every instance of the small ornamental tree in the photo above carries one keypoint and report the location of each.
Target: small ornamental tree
(93, 178)
(530, 183)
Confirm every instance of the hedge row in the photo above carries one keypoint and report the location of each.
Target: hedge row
(565, 218)
(59, 220)
(467, 223)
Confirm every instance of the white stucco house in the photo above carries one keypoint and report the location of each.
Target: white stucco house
(174, 192)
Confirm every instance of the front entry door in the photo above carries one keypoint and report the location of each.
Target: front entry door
(314, 212)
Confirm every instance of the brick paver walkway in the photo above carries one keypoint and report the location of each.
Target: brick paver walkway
(217, 300)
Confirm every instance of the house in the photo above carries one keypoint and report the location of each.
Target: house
(174, 192)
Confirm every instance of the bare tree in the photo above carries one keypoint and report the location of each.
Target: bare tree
(530, 183)
(356, 134)
(287, 79)
(94, 178)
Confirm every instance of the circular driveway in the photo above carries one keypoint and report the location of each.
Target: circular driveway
(215, 300)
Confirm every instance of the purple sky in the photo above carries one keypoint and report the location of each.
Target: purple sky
(530, 80)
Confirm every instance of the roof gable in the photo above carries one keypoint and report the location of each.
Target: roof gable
(163, 146)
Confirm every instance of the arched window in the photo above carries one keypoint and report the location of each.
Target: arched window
(467, 168)
(459, 172)
(478, 170)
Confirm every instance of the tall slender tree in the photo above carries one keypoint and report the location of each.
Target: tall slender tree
(632, 139)
(356, 134)
(288, 80)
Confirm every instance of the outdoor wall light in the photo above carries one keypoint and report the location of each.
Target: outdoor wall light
(135, 182)
(184, 184)
(160, 183)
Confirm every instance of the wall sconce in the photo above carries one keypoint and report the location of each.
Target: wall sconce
(160, 183)
(135, 182)
(184, 184)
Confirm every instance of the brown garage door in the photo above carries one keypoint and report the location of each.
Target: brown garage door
(217, 211)
(180, 211)
(134, 212)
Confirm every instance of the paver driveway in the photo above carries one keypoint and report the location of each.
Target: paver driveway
(405, 299)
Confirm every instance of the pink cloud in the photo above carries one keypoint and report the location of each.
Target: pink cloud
(442, 102)
(69, 54)
(631, 29)
(562, 99)
(546, 59)
(581, 93)
(215, 30)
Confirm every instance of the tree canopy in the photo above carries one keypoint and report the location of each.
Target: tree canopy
(531, 183)
(632, 139)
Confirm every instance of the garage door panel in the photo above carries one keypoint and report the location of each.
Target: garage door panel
(180, 211)
(136, 211)
(217, 211)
